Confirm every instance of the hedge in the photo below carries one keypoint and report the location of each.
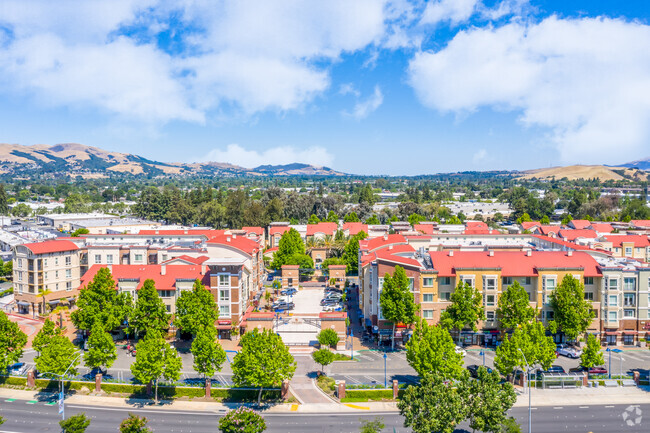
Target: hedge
(359, 395)
(13, 380)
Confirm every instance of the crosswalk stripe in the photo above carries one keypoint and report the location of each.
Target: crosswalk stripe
(10, 400)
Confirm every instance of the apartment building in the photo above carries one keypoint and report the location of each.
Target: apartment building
(631, 246)
(321, 230)
(45, 274)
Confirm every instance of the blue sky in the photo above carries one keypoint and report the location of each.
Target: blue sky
(363, 86)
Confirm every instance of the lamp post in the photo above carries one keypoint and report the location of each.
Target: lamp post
(609, 370)
(62, 386)
(351, 344)
(529, 393)
(385, 377)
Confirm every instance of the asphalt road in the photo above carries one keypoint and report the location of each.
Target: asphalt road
(26, 417)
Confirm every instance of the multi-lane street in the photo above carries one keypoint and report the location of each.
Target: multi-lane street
(35, 417)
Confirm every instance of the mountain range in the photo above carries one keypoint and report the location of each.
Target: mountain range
(91, 162)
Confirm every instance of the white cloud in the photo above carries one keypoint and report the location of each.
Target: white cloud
(481, 157)
(235, 154)
(454, 11)
(348, 89)
(363, 108)
(587, 80)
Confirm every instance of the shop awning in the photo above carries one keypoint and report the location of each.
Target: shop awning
(23, 303)
(70, 299)
(224, 327)
(629, 332)
(612, 333)
(53, 302)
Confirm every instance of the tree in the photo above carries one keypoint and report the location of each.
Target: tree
(75, 424)
(352, 217)
(58, 356)
(373, 220)
(510, 425)
(290, 244)
(374, 426)
(431, 349)
(208, 354)
(101, 302)
(196, 309)
(242, 420)
(134, 424)
(545, 220)
(45, 335)
(531, 339)
(332, 217)
(435, 405)
(263, 361)
(313, 219)
(466, 309)
(489, 401)
(79, 232)
(4, 209)
(155, 359)
(514, 308)
(572, 312)
(323, 357)
(591, 355)
(328, 338)
(12, 342)
(351, 252)
(150, 312)
(396, 299)
(332, 261)
(101, 348)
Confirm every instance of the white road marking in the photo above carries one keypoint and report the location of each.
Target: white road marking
(351, 379)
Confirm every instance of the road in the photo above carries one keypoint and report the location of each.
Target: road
(26, 417)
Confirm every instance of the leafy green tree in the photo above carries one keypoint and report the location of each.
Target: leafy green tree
(328, 338)
(196, 309)
(290, 245)
(208, 354)
(545, 220)
(45, 335)
(352, 217)
(135, 424)
(323, 357)
(332, 217)
(75, 424)
(57, 356)
(313, 219)
(155, 359)
(351, 252)
(415, 218)
(510, 425)
(101, 348)
(435, 405)
(466, 309)
(591, 354)
(525, 218)
(489, 401)
(531, 339)
(514, 308)
(332, 261)
(4, 208)
(374, 426)
(431, 349)
(572, 312)
(101, 302)
(21, 210)
(367, 196)
(12, 342)
(263, 361)
(396, 299)
(79, 232)
(150, 312)
(373, 220)
(242, 420)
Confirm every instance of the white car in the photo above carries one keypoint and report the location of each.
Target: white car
(460, 350)
(568, 351)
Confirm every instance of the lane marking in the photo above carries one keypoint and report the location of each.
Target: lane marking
(583, 407)
(130, 409)
(294, 407)
(354, 406)
(609, 406)
(10, 400)
(32, 402)
(558, 407)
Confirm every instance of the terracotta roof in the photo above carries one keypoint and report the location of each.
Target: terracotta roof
(355, 228)
(153, 272)
(602, 227)
(381, 242)
(512, 263)
(325, 228)
(394, 255)
(639, 241)
(641, 223)
(475, 225)
(480, 231)
(545, 230)
(198, 232)
(562, 242)
(257, 230)
(241, 243)
(427, 229)
(53, 246)
(188, 259)
(580, 224)
(528, 225)
(571, 235)
(278, 230)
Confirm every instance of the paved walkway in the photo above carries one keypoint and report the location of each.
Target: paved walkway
(302, 384)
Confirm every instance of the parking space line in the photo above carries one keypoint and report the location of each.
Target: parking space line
(371, 379)
(351, 379)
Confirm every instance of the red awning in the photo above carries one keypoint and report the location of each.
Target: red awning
(629, 332)
(224, 327)
(612, 333)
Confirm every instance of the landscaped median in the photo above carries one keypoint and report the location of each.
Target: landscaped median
(358, 393)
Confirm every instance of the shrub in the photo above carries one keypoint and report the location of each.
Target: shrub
(242, 420)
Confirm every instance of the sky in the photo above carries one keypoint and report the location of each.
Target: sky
(377, 87)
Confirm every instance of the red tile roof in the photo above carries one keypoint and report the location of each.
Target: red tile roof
(528, 225)
(580, 224)
(173, 232)
(572, 235)
(153, 272)
(475, 225)
(278, 230)
(545, 230)
(639, 241)
(602, 227)
(512, 263)
(257, 230)
(53, 246)
(373, 244)
(325, 228)
(394, 255)
(641, 223)
(189, 259)
(241, 243)
(427, 229)
(355, 228)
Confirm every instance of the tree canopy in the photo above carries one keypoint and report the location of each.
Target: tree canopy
(208, 354)
(12, 342)
(514, 307)
(155, 359)
(466, 308)
(44, 336)
(572, 312)
(592, 356)
(196, 309)
(396, 299)
(351, 252)
(328, 337)
(150, 312)
(531, 339)
(58, 356)
(101, 348)
(291, 244)
(431, 349)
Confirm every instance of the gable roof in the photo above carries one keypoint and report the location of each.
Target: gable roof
(427, 229)
(373, 244)
(579, 224)
(241, 243)
(355, 228)
(257, 230)
(572, 235)
(639, 241)
(528, 225)
(322, 227)
(188, 260)
(53, 246)
(140, 273)
(641, 223)
(278, 230)
(602, 227)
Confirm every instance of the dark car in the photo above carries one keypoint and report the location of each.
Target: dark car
(554, 369)
(473, 370)
(590, 370)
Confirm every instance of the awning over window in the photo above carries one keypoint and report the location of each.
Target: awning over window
(23, 303)
(612, 333)
(630, 332)
(53, 302)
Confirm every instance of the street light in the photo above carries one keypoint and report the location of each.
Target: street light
(351, 344)
(385, 378)
(529, 393)
(62, 386)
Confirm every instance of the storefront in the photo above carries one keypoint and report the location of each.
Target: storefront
(23, 307)
(224, 327)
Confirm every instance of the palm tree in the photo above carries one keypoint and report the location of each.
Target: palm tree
(43, 295)
(311, 244)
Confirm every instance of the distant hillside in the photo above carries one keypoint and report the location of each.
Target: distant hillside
(91, 162)
(641, 164)
(574, 172)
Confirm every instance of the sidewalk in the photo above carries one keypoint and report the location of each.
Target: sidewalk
(584, 396)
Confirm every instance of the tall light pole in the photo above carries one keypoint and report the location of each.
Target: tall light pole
(62, 386)
(529, 393)
(385, 377)
(351, 343)
(610, 363)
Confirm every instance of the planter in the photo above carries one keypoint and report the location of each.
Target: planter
(642, 344)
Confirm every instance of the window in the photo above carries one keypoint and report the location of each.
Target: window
(68, 261)
(411, 284)
(45, 263)
(489, 315)
(589, 296)
(45, 275)
(613, 300)
(166, 293)
(628, 251)
(224, 295)
(427, 297)
(629, 283)
(56, 274)
(550, 315)
(56, 287)
(169, 308)
(68, 273)
(629, 300)
(613, 284)
(589, 280)
(109, 259)
(467, 280)
(20, 263)
(489, 283)
(612, 317)
(548, 283)
(224, 310)
(427, 314)
(445, 296)
(506, 281)
(445, 281)
(489, 300)
(527, 281)
(427, 282)
(138, 257)
(628, 314)
(224, 280)
(68, 285)
(98, 258)
(20, 275)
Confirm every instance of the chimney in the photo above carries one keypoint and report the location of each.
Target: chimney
(491, 253)
(203, 269)
(390, 247)
(529, 253)
(385, 236)
(451, 253)
(163, 269)
(234, 236)
(228, 239)
(569, 253)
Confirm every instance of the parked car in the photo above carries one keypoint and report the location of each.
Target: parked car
(289, 292)
(325, 302)
(460, 350)
(17, 369)
(473, 370)
(333, 307)
(555, 369)
(568, 351)
(590, 370)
